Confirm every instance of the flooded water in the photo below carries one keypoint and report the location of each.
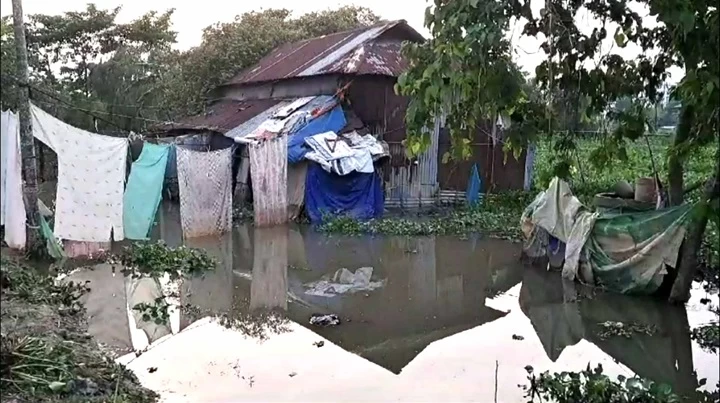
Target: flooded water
(447, 320)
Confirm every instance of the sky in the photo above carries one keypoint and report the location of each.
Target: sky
(191, 17)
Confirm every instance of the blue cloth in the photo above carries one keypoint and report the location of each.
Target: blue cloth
(474, 188)
(331, 121)
(144, 190)
(357, 195)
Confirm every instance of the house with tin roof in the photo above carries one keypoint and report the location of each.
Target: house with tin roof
(362, 66)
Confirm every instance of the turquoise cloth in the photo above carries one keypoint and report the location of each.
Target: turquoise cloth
(144, 190)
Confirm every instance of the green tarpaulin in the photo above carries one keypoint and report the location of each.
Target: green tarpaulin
(623, 252)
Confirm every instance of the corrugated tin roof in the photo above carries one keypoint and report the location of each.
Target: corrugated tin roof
(250, 125)
(360, 51)
(221, 116)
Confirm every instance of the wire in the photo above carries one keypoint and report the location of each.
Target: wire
(91, 112)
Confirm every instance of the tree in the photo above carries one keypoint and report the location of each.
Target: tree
(227, 48)
(464, 70)
(102, 64)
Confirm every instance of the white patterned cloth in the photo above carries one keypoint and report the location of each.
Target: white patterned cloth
(205, 182)
(91, 179)
(13, 205)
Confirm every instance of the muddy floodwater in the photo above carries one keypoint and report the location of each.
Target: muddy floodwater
(424, 319)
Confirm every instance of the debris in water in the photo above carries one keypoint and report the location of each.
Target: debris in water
(344, 281)
(319, 343)
(517, 337)
(324, 320)
(152, 369)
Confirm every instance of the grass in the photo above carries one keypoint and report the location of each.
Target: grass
(46, 353)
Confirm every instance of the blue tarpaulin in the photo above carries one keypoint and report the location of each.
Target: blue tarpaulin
(357, 195)
(334, 121)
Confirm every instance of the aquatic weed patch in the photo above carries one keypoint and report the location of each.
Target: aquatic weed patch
(45, 350)
(708, 337)
(157, 259)
(619, 329)
(156, 312)
(499, 217)
(593, 386)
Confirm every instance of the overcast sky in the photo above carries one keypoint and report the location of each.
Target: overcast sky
(191, 17)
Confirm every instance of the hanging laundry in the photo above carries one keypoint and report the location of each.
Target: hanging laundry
(144, 190)
(268, 175)
(91, 179)
(12, 204)
(205, 182)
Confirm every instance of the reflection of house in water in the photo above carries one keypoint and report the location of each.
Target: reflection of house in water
(665, 356)
(435, 287)
(269, 272)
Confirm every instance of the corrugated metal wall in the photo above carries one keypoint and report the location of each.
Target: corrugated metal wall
(407, 184)
(413, 184)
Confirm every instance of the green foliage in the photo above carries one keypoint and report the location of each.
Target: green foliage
(498, 216)
(157, 259)
(592, 386)
(465, 71)
(465, 74)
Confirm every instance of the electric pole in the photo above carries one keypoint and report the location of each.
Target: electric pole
(27, 141)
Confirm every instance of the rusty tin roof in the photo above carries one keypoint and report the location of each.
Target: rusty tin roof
(369, 50)
(221, 116)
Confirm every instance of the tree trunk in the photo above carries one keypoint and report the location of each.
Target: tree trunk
(27, 141)
(688, 259)
(676, 171)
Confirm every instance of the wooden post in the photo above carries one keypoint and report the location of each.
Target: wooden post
(27, 143)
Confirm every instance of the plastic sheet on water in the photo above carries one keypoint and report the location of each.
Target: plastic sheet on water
(344, 281)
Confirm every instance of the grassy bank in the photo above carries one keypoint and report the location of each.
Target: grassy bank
(47, 354)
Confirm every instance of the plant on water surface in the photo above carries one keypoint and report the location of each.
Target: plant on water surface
(707, 336)
(627, 330)
(157, 311)
(499, 216)
(157, 259)
(593, 386)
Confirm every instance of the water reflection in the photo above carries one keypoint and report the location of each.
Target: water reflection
(429, 293)
(563, 313)
(434, 289)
